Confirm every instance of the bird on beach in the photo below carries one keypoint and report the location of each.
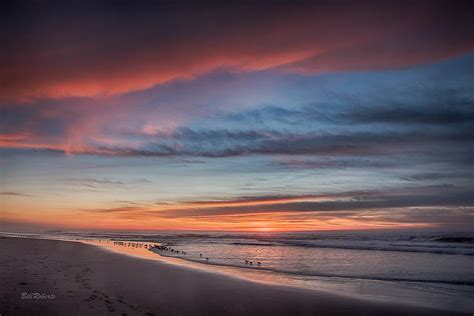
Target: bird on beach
(258, 263)
(246, 261)
(207, 259)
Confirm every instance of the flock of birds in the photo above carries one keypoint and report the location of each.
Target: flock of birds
(169, 249)
(251, 262)
(165, 248)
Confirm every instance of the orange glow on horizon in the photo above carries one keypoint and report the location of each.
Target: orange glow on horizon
(168, 217)
(256, 222)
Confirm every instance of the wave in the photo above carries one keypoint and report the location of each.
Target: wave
(358, 245)
(468, 240)
(253, 244)
(317, 274)
(469, 251)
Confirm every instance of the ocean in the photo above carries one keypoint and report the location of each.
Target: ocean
(425, 268)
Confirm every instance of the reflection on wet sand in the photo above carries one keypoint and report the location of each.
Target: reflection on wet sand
(149, 250)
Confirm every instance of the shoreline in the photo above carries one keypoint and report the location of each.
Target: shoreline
(364, 289)
(87, 279)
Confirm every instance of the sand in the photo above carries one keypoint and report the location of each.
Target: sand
(89, 280)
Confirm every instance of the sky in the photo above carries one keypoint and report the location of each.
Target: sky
(276, 116)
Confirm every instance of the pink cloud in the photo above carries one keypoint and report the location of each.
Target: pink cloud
(84, 52)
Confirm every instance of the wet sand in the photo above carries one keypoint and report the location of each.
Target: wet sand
(88, 280)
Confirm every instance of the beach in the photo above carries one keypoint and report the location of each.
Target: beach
(73, 278)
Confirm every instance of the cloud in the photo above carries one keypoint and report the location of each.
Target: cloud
(355, 203)
(390, 113)
(415, 105)
(224, 143)
(423, 196)
(15, 194)
(445, 206)
(95, 183)
(56, 50)
(429, 176)
(445, 108)
(334, 163)
(123, 209)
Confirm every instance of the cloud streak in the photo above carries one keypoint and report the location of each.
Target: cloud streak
(429, 205)
(6, 193)
(96, 183)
